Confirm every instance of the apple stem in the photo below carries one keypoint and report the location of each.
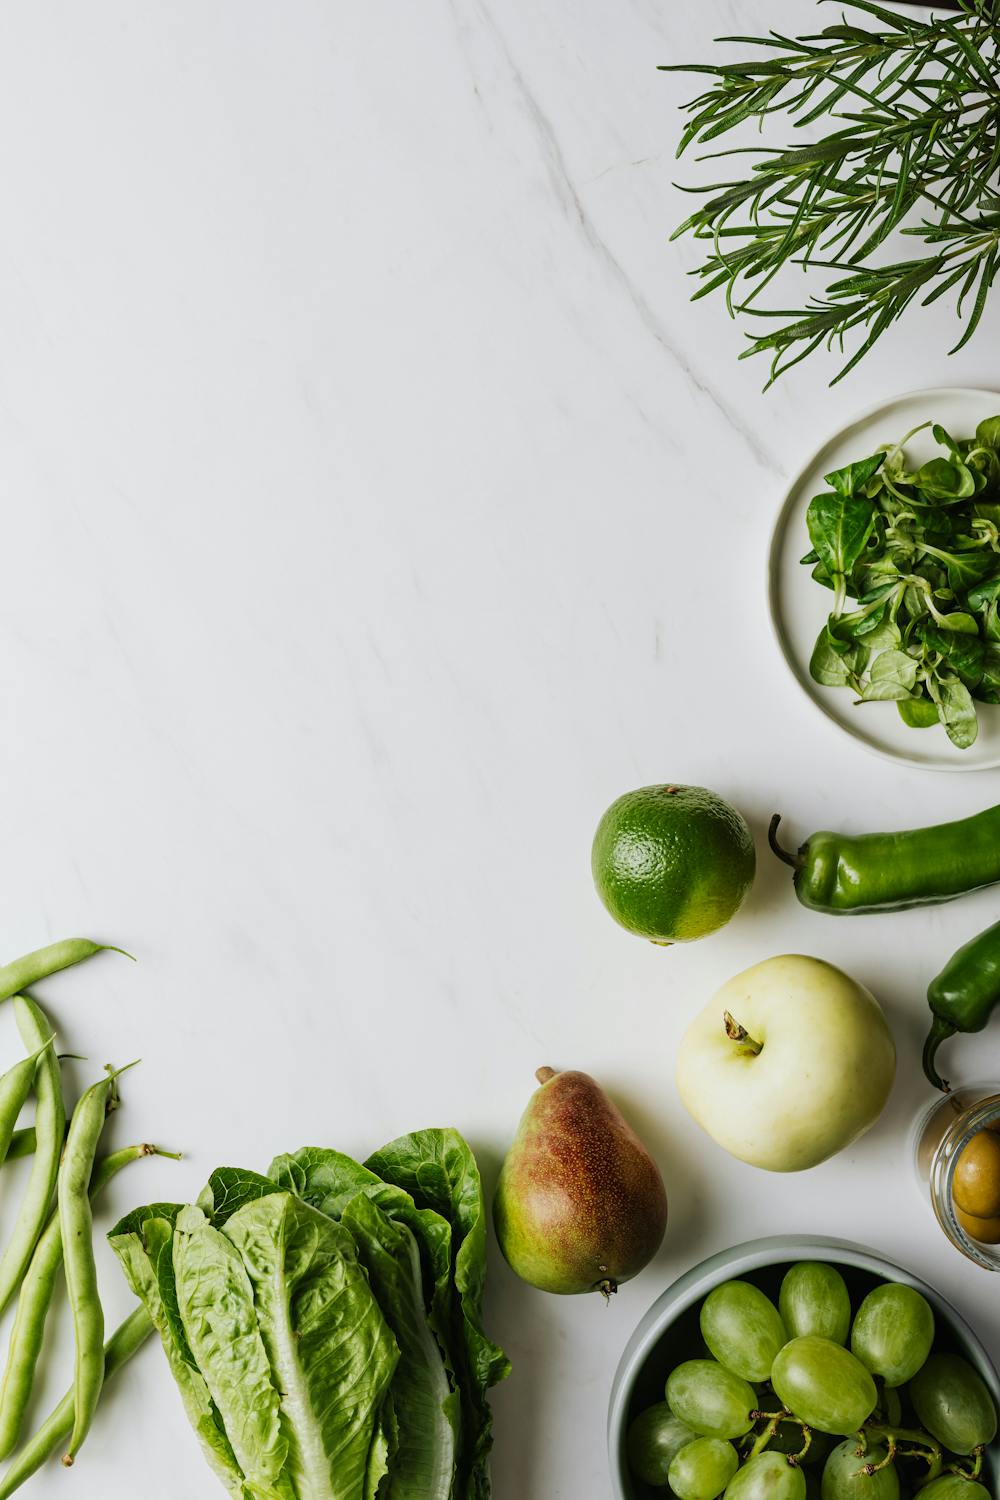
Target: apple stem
(749, 1046)
(544, 1074)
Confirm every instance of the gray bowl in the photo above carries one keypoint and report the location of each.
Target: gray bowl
(669, 1332)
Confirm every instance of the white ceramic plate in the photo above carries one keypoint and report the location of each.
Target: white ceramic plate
(799, 606)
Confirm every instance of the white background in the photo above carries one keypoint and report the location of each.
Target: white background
(376, 508)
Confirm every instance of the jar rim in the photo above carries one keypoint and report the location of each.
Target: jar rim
(974, 1118)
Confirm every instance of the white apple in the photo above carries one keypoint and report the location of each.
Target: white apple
(788, 1064)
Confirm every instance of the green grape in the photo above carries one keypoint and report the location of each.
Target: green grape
(702, 1469)
(823, 1384)
(814, 1299)
(953, 1403)
(954, 1487)
(742, 1329)
(844, 1477)
(653, 1439)
(893, 1332)
(769, 1476)
(711, 1399)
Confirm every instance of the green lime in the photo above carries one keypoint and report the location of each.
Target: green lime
(672, 863)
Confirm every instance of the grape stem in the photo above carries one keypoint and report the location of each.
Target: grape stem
(774, 1420)
(924, 1446)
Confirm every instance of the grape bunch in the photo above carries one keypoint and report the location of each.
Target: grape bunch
(810, 1400)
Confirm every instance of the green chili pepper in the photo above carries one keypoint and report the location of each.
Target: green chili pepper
(840, 873)
(963, 995)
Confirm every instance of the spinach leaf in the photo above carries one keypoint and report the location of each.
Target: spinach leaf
(988, 432)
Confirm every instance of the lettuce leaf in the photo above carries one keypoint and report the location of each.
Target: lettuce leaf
(330, 1351)
(438, 1170)
(215, 1298)
(143, 1242)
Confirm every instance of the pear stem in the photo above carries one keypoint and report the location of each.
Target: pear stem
(749, 1046)
(607, 1288)
(544, 1074)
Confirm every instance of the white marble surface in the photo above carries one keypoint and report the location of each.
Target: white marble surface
(376, 509)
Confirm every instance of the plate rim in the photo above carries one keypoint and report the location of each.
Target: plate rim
(778, 526)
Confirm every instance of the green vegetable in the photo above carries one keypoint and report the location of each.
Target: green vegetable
(912, 149)
(963, 996)
(123, 1343)
(324, 1323)
(917, 554)
(44, 962)
(15, 1086)
(50, 1122)
(840, 873)
(34, 1299)
(76, 1227)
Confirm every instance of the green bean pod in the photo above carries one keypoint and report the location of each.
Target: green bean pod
(841, 874)
(33, 1304)
(15, 1086)
(123, 1343)
(76, 1223)
(34, 967)
(22, 1144)
(50, 1123)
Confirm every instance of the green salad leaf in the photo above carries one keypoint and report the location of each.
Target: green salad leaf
(324, 1323)
(912, 556)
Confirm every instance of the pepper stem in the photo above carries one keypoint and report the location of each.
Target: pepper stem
(940, 1031)
(749, 1046)
(794, 860)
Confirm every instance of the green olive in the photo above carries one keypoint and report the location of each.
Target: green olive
(976, 1184)
(986, 1231)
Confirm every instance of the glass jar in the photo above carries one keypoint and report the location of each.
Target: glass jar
(940, 1136)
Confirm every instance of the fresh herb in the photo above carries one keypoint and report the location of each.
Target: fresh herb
(916, 554)
(913, 145)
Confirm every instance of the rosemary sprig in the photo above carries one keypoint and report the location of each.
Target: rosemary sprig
(913, 149)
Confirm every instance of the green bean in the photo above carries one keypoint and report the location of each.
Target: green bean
(121, 1346)
(33, 967)
(77, 1226)
(15, 1086)
(50, 1122)
(33, 1303)
(22, 1143)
